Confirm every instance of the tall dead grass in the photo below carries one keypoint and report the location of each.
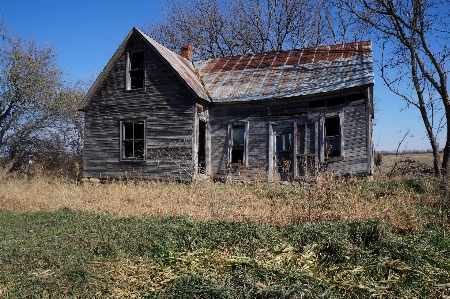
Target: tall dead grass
(399, 203)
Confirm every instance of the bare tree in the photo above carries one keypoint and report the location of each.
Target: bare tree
(414, 38)
(238, 27)
(37, 107)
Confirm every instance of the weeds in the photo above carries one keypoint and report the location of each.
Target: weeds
(335, 237)
(400, 203)
(82, 254)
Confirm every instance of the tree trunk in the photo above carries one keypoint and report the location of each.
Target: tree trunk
(445, 160)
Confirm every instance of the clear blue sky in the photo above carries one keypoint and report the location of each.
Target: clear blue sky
(86, 33)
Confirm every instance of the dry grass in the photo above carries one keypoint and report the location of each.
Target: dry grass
(396, 202)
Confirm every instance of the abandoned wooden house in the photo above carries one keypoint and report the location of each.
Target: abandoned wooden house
(153, 113)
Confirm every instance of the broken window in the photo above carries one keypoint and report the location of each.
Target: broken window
(133, 139)
(333, 139)
(237, 136)
(237, 144)
(283, 142)
(136, 72)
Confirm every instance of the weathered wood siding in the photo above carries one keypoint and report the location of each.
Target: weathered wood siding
(260, 115)
(166, 105)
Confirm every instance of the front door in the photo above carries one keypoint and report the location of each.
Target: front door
(283, 148)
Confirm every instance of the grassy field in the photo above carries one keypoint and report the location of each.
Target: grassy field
(336, 238)
(75, 254)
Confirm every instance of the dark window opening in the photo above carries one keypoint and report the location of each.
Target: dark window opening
(333, 137)
(283, 142)
(336, 101)
(237, 155)
(355, 97)
(317, 104)
(237, 144)
(137, 73)
(133, 140)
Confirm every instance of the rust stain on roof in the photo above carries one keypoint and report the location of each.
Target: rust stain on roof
(287, 73)
(265, 75)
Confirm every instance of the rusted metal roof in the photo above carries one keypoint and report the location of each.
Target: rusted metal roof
(287, 73)
(264, 76)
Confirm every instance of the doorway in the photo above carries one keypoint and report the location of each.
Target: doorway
(283, 148)
(201, 146)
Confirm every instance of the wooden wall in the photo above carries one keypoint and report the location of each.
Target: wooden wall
(166, 105)
(356, 128)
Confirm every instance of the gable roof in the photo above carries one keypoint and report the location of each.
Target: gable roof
(180, 65)
(287, 73)
(264, 75)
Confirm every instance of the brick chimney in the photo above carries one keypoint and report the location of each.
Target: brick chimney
(186, 52)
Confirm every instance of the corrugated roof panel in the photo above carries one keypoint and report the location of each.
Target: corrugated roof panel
(206, 67)
(231, 63)
(349, 50)
(256, 61)
(335, 52)
(268, 60)
(292, 73)
(321, 54)
(294, 57)
(220, 63)
(307, 56)
(280, 59)
(243, 62)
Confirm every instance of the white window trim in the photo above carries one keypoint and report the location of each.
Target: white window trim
(122, 158)
(230, 141)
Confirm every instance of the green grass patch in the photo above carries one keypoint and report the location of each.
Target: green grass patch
(75, 254)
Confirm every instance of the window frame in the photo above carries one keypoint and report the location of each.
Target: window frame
(244, 124)
(133, 140)
(129, 71)
(325, 155)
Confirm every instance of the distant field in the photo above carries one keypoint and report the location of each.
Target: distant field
(422, 157)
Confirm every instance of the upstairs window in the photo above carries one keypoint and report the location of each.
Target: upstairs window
(333, 140)
(135, 70)
(133, 140)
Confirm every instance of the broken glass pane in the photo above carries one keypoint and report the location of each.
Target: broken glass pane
(238, 136)
(237, 156)
(137, 79)
(128, 131)
(332, 125)
(139, 149)
(333, 146)
(128, 149)
(137, 60)
(139, 130)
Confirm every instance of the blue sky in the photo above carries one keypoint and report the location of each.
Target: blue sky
(86, 33)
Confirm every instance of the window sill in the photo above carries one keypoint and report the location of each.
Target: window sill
(132, 160)
(334, 159)
(135, 89)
